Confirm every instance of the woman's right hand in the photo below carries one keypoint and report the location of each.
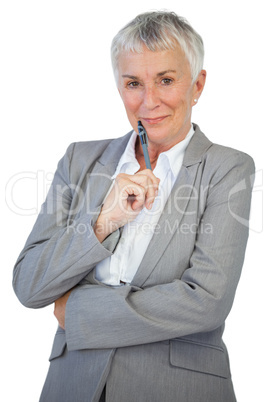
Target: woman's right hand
(129, 195)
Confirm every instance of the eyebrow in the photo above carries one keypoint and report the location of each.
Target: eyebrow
(133, 77)
(165, 72)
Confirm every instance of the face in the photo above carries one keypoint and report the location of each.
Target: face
(157, 88)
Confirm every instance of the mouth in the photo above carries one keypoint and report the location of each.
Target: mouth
(154, 120)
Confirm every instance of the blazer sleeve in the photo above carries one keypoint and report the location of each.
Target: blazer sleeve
(55, 258)
(199, 301)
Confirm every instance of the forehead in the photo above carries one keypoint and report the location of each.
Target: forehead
(152, 63)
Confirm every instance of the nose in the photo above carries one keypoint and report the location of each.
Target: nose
(151, 98)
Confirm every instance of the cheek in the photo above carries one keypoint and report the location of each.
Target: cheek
(181, 102)
(131, 102)
(175, 103)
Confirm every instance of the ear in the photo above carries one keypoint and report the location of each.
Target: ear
(199, 86)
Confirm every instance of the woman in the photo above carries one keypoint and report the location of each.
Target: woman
(143, 264)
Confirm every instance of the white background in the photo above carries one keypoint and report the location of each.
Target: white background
(57, 87)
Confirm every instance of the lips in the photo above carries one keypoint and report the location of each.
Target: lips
(154, 120)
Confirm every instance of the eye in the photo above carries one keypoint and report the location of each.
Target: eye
(166, 81)
(133, 84)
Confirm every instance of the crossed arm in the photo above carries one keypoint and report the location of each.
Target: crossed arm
(129, 195)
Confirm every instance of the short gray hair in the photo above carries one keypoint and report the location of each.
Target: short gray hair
(159, 30)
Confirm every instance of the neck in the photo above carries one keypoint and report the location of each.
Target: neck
(154, 150)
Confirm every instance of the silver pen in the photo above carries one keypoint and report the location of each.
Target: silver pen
(144, 142)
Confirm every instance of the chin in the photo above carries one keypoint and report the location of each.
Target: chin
(158, 138)
(159, 132)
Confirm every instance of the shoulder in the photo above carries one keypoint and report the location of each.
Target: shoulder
(225, 164)
(216, 157)
(221, 155)
(79, 151)
(80, 157)
(95, 149)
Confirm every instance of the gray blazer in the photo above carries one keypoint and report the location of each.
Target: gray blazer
(159, 339)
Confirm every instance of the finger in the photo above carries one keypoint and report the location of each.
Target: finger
(140, 178)
(150, 182)
(134, 195)
(143, 185)
(149, 174)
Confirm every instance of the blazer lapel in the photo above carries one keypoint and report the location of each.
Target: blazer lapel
(99, 179)
(175, 207)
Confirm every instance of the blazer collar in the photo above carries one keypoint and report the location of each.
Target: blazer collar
(197, 147)
(109, 159)
(113, 152)
(104, 169)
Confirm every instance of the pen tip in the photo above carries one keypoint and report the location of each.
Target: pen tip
(140, 127)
